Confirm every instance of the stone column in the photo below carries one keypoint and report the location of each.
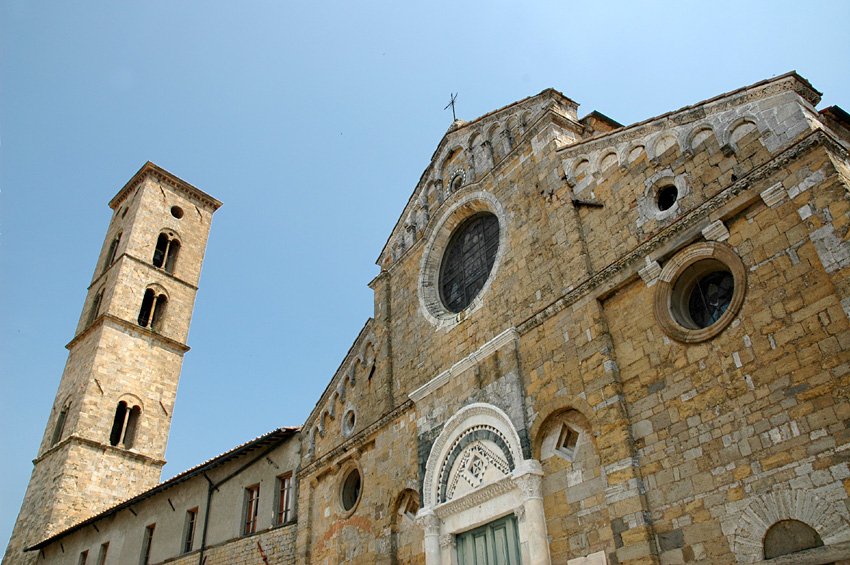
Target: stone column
(528, 475)
(427, 520)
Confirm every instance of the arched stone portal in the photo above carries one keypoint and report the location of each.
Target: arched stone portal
(476, 474)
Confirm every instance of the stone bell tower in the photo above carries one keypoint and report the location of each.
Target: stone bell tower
(106, 434)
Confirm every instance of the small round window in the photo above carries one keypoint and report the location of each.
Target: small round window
(667, 196)
(350, 491)
(468, 260)
(177, 212)
(699, 292)
(348, 422)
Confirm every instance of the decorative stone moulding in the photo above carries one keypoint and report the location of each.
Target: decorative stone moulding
(500, 483)
(460, 206)
(678, 279)
(829, 518)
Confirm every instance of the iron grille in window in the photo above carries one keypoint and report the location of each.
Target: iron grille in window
(468, 260)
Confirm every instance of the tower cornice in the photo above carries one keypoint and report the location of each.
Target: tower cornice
(106, 318)
(102, 446)
(161, 175)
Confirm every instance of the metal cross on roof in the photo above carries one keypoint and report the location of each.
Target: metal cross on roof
(452, 104)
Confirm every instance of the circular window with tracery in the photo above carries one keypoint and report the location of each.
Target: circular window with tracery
(464, 245)
(699, 292)
(468, 260)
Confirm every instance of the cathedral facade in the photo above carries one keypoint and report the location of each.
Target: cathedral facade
(592, 344)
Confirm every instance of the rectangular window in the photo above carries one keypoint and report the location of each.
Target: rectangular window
(252, 504)
(284, 499)
(101, 557)
(189, 536)
(146, 544)
(84, 556)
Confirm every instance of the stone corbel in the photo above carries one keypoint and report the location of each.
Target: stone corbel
(774, 195)
(716, 231)
(650, 273)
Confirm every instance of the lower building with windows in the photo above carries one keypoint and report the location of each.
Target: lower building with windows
(593, 344)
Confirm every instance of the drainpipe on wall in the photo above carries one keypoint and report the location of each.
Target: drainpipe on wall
(214, 486)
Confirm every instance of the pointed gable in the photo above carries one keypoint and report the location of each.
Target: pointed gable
(469, 153)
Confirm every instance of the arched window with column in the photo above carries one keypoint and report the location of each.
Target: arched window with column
(166, 251)
(124, 425)
(152, 311)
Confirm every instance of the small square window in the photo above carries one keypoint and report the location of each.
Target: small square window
(84, 556)
(567, 441)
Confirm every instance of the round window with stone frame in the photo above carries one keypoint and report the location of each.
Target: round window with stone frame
(468, 260)
(350, 489)
(700, 291)
(348, 422)
(666, 196)
(454, 276)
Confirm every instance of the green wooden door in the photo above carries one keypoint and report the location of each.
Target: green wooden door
(493, 544)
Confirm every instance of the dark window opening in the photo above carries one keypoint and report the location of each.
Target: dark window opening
(165, 253)
(60, 425)
(189, 538)
(350, 490)
(252, 506)
(152, 311)
(146, 546)
(101, 557)
(158, 312)
(145, 310)
(118, 423)
(710, 298)
(130, 431)
(468, 260)
(567, 441)
(284, 504)
(667, 196)
(177, 212)
(124, 425)
(159, 252)
(371, 373)
(789, 536)
(84, 556)
(113, 249)
(95, 307)
(171, 258)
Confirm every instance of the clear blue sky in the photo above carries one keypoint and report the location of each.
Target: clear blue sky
(312, 122)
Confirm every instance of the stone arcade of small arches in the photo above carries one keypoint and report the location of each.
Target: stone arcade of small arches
(471, 157)
(585, 164)
(361, 368)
